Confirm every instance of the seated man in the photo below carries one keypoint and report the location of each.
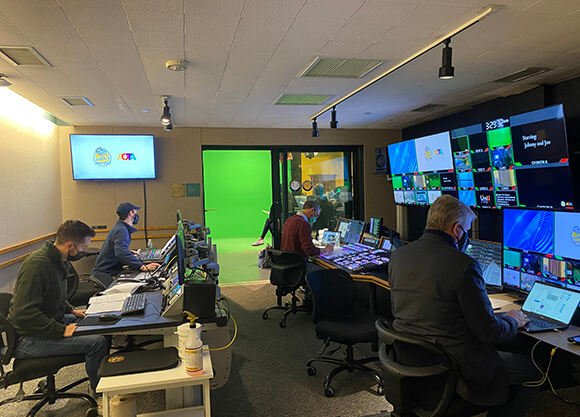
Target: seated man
(297, 233)
(39, 311)
(115, 252)
(438, 293)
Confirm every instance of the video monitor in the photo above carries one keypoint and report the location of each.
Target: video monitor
(545, 187)
(504, 180)
(460, 144)
(342, 226)
(421, 198)
(112, 157)
(375, 225)
(408, 182)
(448, 181)
(397, 182)
(402, 158)
(410, 197)
(483, 180)
(433, 181)
(399, 197)
(433, 195)
(434, 153)
(354, 232)
(485, 199)
(480, 161)
(467, 197)
(419, 181)
(465, 180)
(462, 162)
(478, 142)
(540, 245)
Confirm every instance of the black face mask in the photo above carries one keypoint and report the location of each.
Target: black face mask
(76, 257)
(136, 218)
(463, 243)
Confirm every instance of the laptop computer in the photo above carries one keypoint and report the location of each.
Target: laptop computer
(549, 307)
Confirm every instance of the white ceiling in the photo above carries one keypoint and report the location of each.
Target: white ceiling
(244, 54)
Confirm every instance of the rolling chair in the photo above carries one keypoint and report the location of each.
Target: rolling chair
(287, 274)
(80, 285)
(419, 377)
(28, 369)
(338, 320)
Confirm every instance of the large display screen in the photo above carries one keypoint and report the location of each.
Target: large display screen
(520, 161)
(540, 245)
(112, 157)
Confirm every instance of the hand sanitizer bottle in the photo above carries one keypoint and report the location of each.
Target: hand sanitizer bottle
(193, 351)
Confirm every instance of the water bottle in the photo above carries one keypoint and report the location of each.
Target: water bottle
(150, 243)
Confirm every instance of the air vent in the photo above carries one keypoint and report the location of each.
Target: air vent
(339, 67)
(428, 107)
(23, 55)
(522, 75)
(77, 101)
(302, 99)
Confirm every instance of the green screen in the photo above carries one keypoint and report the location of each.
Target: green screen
(499, 137)
(512, 258)
(238, 186)
(397, 182)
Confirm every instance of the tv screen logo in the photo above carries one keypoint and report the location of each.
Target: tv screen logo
(127, 157)
(102, 157)
(485, 200)
(429, 154)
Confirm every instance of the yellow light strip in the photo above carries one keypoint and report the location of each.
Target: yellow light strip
(486, 11)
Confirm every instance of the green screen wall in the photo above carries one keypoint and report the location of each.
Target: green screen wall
(238, 186)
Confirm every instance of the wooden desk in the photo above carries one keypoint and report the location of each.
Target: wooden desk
(167, 379)
(556, 338)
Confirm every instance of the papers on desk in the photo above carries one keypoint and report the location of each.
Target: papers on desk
(497, 304)
(124, 288)
(106, 303)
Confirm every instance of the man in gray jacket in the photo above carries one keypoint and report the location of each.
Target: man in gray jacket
(438, 293)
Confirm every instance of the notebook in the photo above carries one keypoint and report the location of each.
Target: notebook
(549, 307)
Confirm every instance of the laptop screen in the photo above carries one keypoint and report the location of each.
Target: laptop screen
(330, 238)
(556, 303)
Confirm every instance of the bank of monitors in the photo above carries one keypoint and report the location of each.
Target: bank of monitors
(540, 245)
(517, 161)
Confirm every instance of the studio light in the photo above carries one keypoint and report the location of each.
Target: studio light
(333, 122)
(4, 82)
(315, 132)
(446, 71)
(166, 116)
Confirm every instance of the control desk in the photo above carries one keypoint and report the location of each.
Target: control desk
(356, 257)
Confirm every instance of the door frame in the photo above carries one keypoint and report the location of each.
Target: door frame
(281, 207)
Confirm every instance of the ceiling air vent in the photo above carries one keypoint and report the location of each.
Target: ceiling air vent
(302, 99)
(77, 101)
(23, 55)
(522, 75)
(339, 67)
(428, 107)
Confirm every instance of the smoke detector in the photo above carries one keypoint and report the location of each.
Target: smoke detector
(176, 64)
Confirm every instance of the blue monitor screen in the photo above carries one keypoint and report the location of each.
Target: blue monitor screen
(529, 230)
(112, 157)
(403, 158)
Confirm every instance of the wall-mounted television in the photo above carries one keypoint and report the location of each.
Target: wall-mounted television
(518, 161)
(112, 157)
(540, 245)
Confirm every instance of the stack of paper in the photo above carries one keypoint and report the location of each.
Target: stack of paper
(106, 303)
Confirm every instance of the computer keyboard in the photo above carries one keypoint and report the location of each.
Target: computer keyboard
(134, 304)
(540, 323)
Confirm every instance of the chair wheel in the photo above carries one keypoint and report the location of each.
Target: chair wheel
(380, 390)
(92, 412)
(265, 315)
(329, 392)
(283, 324)
(41, 386)
(311, 370)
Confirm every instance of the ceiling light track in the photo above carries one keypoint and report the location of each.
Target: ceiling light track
(487, 10)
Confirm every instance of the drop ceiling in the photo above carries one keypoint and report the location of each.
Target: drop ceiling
(245, 54)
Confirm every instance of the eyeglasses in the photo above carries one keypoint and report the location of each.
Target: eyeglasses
(79, 248)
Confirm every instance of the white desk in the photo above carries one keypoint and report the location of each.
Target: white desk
(166, 379)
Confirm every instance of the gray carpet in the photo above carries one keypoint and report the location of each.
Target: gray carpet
(268, 376)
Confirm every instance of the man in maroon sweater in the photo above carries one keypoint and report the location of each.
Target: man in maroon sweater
(297, 232)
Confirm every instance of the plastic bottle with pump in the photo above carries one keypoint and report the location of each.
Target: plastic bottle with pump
(193, 347)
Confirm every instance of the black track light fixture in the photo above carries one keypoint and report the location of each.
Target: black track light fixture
(315, 132)
(333, 122)
(166, 116)
(169, 127)
(446, 71)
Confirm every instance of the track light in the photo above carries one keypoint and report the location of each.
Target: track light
(446, 71)
(315, 132)
(166, 116)
(333, 122)
(4, 82)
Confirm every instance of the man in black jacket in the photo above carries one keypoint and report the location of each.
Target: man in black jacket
(39, 310)
(438, 293)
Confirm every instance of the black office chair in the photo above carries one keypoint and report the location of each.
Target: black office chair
(287, 274)
(419, 377)
(28, 369)
(338, 319)
(81, 285)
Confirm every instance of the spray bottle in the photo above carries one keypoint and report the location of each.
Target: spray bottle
(193, 347)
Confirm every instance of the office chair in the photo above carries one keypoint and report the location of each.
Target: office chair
(338, 320)
(80, 285)
(287, 274)
(419, 377)
(28, 369)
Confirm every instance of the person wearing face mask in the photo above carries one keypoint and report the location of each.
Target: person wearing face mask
(297, 232)
(438, 294)
(115, 252)
(43, 318)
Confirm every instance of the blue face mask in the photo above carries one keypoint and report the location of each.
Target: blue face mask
(463, 243)
(312, 220)
(136, 219)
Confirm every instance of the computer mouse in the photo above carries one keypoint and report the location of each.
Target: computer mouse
(108, 317)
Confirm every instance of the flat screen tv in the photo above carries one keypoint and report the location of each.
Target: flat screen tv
(540, 245)
(516, 161)
(112, 157)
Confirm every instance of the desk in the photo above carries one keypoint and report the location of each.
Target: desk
(553, 338)
(168, 379)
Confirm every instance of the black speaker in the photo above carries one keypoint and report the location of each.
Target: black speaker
(381, 161)
(199, 299)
